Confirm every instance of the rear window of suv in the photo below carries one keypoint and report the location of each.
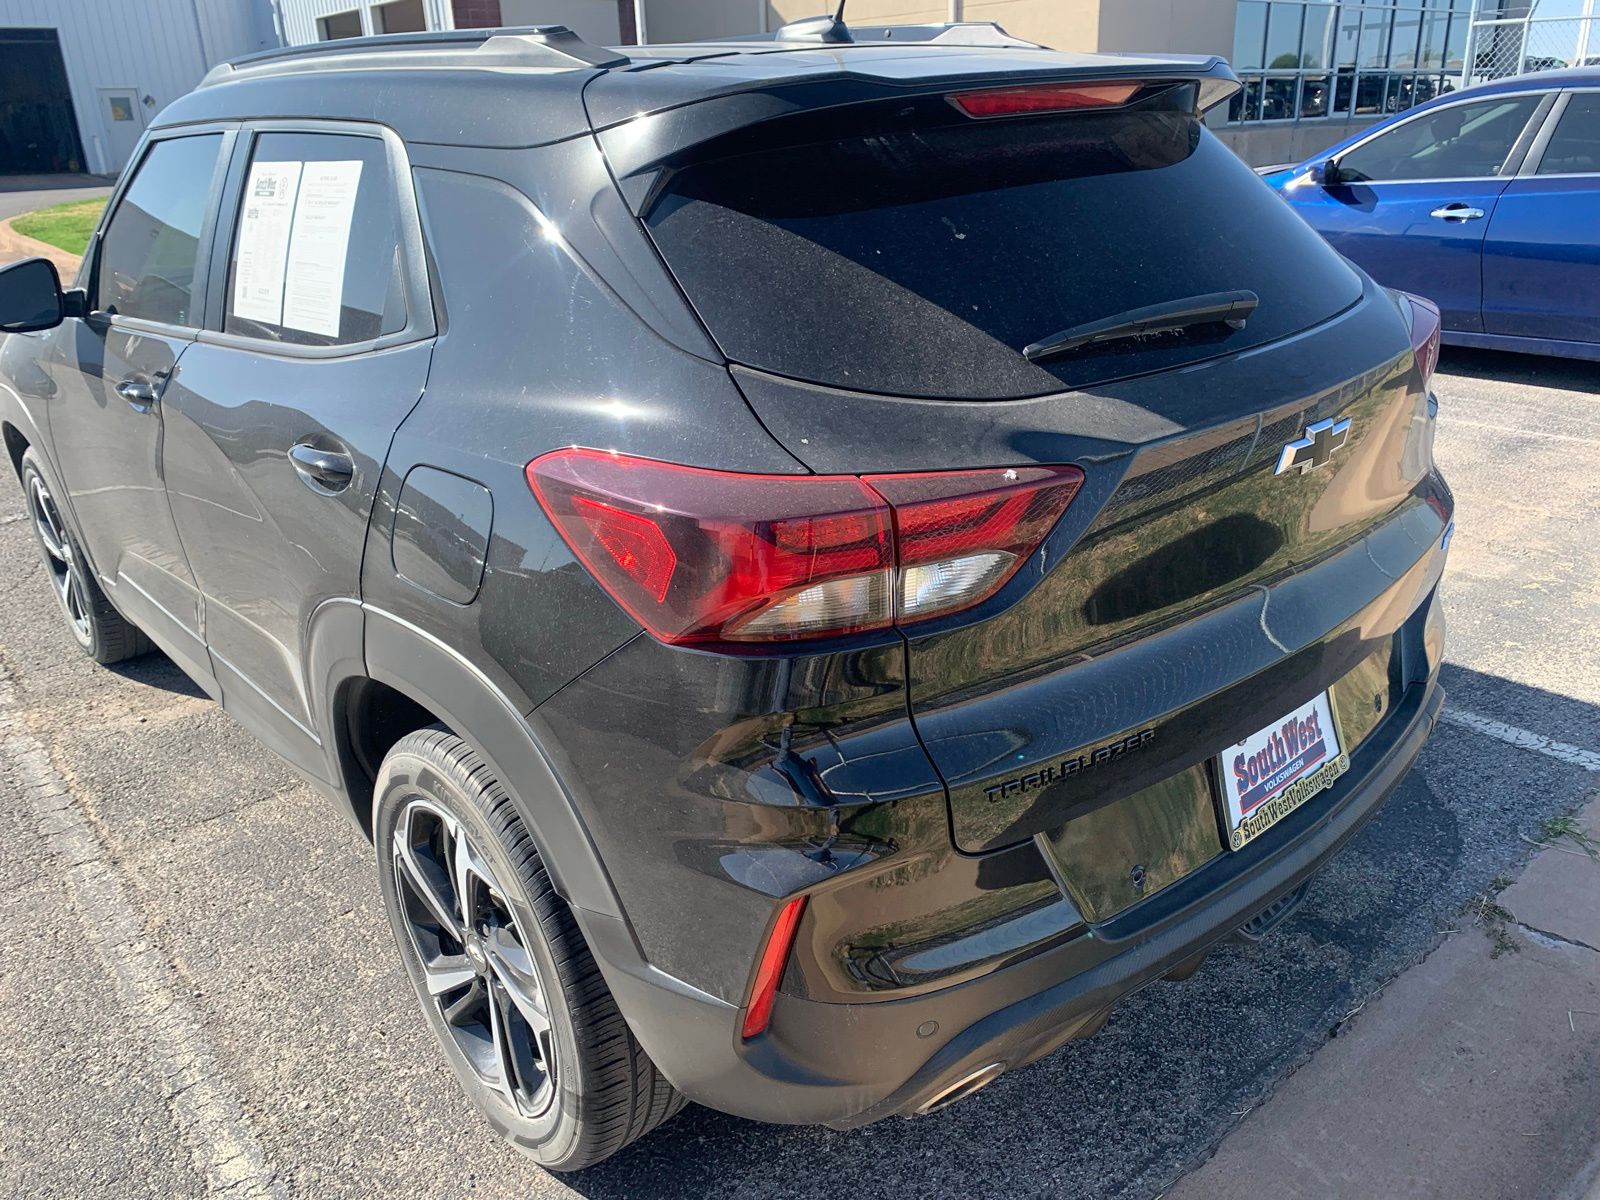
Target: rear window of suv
(919, 261)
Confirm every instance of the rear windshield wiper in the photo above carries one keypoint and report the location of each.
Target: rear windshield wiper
(1214, 308)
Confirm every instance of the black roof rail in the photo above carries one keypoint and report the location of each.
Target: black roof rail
(526, 46)
(954, 33)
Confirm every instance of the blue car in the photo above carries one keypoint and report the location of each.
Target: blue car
(1486, 200)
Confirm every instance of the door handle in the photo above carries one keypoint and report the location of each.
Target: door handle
(139, 393)
(1457, 212)
(324, 471)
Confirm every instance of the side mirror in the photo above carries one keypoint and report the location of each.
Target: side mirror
(31, 296)
(1325, 173)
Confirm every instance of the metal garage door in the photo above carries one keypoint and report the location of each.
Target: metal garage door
(38, 128)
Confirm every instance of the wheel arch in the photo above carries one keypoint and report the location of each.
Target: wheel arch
(23, 421)
(21, 433)
(20, 436)
(17, 444)
(399, 657)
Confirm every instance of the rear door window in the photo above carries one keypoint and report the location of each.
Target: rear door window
(147, 254)
(317, 257)
(1574, 148)
(920, 261)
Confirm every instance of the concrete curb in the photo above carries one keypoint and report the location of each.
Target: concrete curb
(1474, 1075)
(14, 245)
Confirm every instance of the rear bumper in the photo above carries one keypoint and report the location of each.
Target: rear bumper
(847, 1065)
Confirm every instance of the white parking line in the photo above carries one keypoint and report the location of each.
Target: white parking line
(1523, 739)
(205, 1111)
(1533, 433)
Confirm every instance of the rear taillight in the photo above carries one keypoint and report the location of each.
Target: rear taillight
(960, 535)
(701, 556)
(1043, 98)
(769, 967)
(1426, 327)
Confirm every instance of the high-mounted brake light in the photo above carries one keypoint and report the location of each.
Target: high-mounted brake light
(699, 556)
(769, 967)
(1426, 327)
(1043, 98)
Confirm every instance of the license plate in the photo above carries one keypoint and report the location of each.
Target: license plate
(1273, 772)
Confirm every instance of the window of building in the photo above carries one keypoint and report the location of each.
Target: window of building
(1302, 59)
(399, 16)
(339, 25)
(316, 256)
(147, 256)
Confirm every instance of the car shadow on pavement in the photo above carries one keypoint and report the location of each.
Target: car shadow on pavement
(1537, 370)
(158, 671)
(1179, 1064)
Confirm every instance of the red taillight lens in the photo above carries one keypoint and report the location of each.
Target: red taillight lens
(961, 535)
(714, 556)
(1426, 327)
(1043, 98)
(769, 968)
(636, 544)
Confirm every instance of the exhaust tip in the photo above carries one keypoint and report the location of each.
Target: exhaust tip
(961, 1088)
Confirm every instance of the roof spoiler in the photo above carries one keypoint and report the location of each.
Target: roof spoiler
(659, 136)
(529, 47)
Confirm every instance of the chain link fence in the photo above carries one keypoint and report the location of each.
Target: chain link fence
(1502, 45)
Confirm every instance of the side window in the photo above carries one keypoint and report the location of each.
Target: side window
(147, 256)
(1575, 146)
(1464, 141)
(316, 257)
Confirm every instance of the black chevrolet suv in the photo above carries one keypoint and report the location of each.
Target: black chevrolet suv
(820, 562)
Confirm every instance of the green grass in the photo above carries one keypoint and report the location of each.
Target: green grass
(1495, 920)
(65, 226)
(1556, 828)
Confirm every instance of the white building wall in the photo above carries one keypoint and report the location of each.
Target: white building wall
(157, 48)
(593, 20)
(299, 17)
(669, 21)
(230, 28)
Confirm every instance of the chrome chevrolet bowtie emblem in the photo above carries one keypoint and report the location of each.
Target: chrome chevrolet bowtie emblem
(1316, 447)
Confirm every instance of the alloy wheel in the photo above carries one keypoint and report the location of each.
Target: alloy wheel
(476, 966)
(60, 559)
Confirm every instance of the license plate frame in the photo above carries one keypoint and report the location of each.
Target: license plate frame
(1268, 775)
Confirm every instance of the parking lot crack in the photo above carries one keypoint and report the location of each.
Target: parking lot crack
(1560, 938)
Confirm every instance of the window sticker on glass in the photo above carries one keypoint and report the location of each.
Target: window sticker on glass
(313, 292)
(269, 201)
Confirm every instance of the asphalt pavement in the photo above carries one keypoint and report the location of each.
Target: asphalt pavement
(200, 995)
(24, 193)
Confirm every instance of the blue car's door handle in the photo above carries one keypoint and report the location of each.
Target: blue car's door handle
(1457, 212)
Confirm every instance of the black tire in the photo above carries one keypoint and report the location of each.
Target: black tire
(435, 800)
(103, 633)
